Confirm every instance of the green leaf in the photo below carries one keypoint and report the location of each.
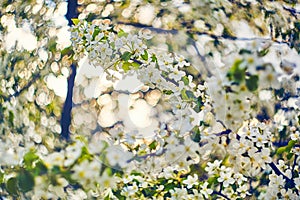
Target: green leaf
(25, 181)
(187, 95)
(122, 33)
(75, 21)
(55, 170)
(184, 96)
(29, 158)
(286, 148)
(145, 56)
(119, 196)
(1, 177)
(153, 145)
(235, 73)
(280, 150)
(11, 118)
(126, 66)
(212, 180)
(67, 51)
(126, 56)
(40, 168)
(263, 52)
(116, 64)
(153, 58)
(169, 186)
(149, 192)
(252, 83)
(136, 173)
(245, 51)
(185, 80)
(108, 171)
(12, 187)
(190, 94)
(85, 155)
(167, 92)
(96, 32)
(196, 136)
(290, 145)
(135, 65)
(289, 156)
(199, 104)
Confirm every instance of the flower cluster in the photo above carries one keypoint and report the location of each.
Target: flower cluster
(231, 136)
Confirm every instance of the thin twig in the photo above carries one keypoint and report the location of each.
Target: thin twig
(146, 156)
(202, 58)
(220, 194)
(294, 164)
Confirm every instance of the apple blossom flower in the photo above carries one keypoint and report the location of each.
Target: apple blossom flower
(191, 180)
(204, 190)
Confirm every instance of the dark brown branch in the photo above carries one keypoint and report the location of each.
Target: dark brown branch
(65, 120)
(294, 164)
(220, 194)
(72, 11)
(217, 37)
(293, 11)
(146, 156)
(289, 182)
(18, 93)
(157, 30)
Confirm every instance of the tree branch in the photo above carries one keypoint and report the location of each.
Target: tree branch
(18, 93)
(146, 156)
(293, 11)
(202, 58)
(289, 182)
(65, 120)
(220, 194)
(218, 37)
(72, 11)
(294, 164)
(157, 30)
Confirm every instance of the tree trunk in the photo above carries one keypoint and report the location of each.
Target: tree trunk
(65, 120)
